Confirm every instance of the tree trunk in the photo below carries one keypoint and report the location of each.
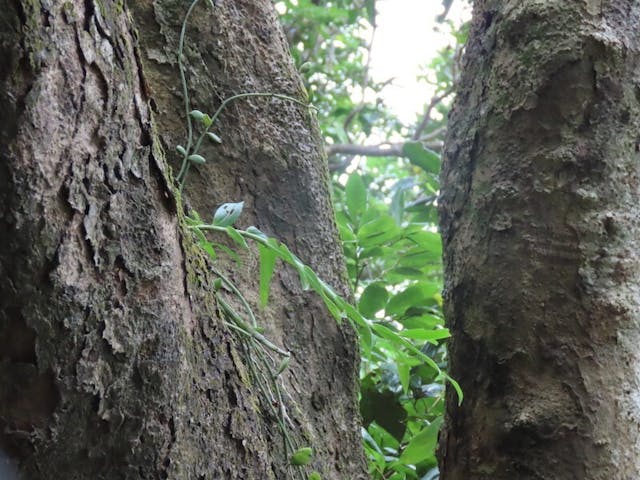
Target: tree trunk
(540, 213)
(114, 361)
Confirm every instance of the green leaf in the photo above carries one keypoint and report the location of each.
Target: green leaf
(415, 295)
(378, 231)
(254, 231)
(366, 436)
(196, 115)
(366, 339)
(195, 158)
(372, 252)
(356, 196)
(422, 157)
(302, 456)
(315, 476)
(417, 257)
(267, 264)
(404, 373)
(236, 237)
(456, 387)
(429, 335)
(208, 247)
(181, 150)
(382, 437)
(204, 243)
(373, 299)
(422, 445)
(427, 322)
(207, 121)
(213, 137)
(227, 214)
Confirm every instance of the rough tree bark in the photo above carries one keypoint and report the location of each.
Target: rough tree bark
(540, 220)
(114, 362)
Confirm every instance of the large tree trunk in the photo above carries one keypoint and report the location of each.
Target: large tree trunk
(114, 362)
(540, 213)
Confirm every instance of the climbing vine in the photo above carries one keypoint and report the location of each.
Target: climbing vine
(266, 361)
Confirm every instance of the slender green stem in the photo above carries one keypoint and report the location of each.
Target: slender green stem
(183, 81)
(235, 290)
(249, 330)
(185, 163)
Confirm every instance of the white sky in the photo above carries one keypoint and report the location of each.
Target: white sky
(405, 40)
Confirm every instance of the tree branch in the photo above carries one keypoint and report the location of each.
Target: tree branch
(379, 150)
(426, 118)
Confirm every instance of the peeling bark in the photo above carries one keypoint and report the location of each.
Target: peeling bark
(540, 222)
(113, 360)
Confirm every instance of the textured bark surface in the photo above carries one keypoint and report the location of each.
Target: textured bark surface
(113, 361)
(540, 221)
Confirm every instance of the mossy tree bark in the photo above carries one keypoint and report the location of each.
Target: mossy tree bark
(114, 362)
(540, 214)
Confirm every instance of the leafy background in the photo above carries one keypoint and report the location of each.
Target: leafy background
(385, 187)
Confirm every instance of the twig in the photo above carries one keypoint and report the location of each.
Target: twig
(426, 118)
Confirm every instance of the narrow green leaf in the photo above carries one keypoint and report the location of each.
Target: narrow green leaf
(254, 231)
(366, 436)
(417, 257)
(366, 339)
(267, 264)
(227, 214)
(236, 237)
(422, 157)
(208, 247)
(181, 150)
(378, 231)
(404, 373)
(284, 364)
(213, 137)
(422, 445)
(373, 252)
(397, 340)
(413, 296)
(373, 299)
(427, 322)
(195, 158)
(335, 312)
(456, 387)
(429, 335)
(356, 196)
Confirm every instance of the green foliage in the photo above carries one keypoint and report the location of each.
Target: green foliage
(329, 43)
(394, 266)
(387, 220)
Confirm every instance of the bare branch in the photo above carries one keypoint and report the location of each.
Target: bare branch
(379, 150)
(426, 118)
